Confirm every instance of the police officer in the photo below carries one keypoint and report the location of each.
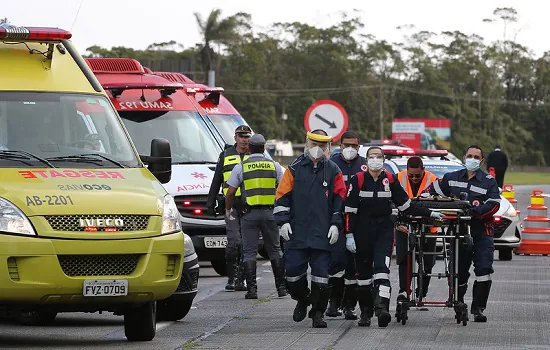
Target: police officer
(414, 180)
(484, 196)
(342, 272)
(498, 161)
(257, 177)
(370, 233)
(308, 208)
(226, 162)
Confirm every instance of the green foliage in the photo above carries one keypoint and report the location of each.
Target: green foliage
(492, 92)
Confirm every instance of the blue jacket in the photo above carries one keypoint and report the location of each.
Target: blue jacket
(482, 191)
(310, 207)
(349, 168)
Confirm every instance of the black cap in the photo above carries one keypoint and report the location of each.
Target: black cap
(243, 130)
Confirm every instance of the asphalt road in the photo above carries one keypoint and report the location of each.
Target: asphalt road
(518, 314)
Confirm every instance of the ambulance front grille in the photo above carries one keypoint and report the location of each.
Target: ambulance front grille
(98, 265)
(72, 222)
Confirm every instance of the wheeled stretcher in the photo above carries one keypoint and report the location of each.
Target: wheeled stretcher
(453, 230)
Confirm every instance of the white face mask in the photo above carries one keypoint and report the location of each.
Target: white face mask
(349, 153)
(315, 153)
(375, 163)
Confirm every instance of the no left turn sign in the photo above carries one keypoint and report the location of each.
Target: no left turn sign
(327, 115)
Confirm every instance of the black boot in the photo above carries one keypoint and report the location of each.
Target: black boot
(240, 286)
(480, 293)
(299, 291)
(279, 275)
(230, 266)
(364, 296)
(250, 272)
(336, 293)
(382, 304)
(320, 294)
(350, 301)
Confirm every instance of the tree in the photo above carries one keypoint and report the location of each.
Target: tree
(218, 31)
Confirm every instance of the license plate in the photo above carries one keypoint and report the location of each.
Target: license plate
(105, 288)
(215, 242)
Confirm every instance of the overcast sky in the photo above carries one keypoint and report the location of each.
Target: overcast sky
(137, 23)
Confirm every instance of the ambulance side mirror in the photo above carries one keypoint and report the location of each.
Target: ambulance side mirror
(160, 160)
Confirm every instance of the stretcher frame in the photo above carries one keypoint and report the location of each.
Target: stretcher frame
(419, 230)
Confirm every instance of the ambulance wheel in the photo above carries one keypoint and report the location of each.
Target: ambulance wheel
(220, 267)
(505, 254)
(140, 322)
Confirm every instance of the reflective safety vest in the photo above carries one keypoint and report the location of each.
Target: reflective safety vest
(231, 158)
(259, 182)
(426, 182)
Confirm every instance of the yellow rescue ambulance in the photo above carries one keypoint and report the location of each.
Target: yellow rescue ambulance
(85, 226)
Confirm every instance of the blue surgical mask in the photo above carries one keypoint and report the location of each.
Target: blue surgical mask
(472, 164)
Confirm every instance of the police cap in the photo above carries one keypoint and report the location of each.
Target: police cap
(257, 140)
(243, 130)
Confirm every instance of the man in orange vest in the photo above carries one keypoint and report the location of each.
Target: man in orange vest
(415, 180)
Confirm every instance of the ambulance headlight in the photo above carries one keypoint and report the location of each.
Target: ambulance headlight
(12, 220)
(189, 248)
(170, 216)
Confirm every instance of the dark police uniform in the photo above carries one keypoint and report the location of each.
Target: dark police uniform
(484, 196)
(311, 199)
(368, 209)
(233, 255)
(342, 272)
(498, 160)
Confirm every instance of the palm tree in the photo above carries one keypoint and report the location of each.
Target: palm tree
(215, 30)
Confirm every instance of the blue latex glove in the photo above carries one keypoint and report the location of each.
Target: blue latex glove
(350, 243)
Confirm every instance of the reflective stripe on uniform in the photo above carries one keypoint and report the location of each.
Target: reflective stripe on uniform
(437, 188)
(296, 278)
(350, 210)
(381, 276)
(405, 206)
(349, 282)
(338, 274)
(478, 189)
(483, 278)
(364, 282)
(384, 292)
(280, 209)
(318, 279)
(259, 181)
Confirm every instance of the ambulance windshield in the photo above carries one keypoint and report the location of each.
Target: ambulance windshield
(190, 139)
(226, 125)
(75, 130)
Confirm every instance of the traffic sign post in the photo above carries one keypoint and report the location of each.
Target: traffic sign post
(327, 115)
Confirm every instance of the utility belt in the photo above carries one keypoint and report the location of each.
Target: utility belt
(248, 208)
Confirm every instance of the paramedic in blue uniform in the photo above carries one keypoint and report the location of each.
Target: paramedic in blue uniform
(308, 209)
(484, 195)
(342, 272)
(369, 227)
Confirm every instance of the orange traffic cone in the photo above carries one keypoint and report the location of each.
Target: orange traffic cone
(536, 234)
(509, 193)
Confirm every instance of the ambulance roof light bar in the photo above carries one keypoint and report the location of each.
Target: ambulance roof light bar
(431, 152)
(11, 33)
(214, 93)
(166, 89)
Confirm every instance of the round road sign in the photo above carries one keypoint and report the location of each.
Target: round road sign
(327, 115)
